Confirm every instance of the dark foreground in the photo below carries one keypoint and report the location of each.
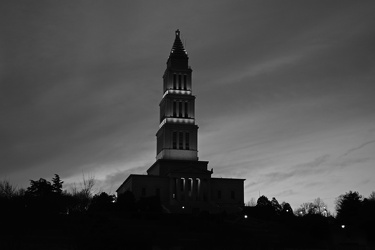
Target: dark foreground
(151, 231)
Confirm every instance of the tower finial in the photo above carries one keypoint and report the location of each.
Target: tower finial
(177, 33)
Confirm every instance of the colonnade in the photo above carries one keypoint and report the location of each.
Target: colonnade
(190, 189)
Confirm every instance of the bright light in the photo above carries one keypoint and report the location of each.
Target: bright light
(183, 207)
(177, 91)
(177, 120)
(245, 216)
(342, 226)
(162, 123)
(287, 210)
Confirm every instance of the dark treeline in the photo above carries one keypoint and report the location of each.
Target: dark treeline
(45, 216)
(44, 197)
(351, 228)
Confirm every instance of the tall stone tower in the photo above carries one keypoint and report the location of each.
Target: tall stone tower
(178, 179)
(177, 134)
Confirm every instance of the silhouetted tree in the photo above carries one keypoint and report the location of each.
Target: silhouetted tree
(276, 206)
(39, 196)
(367, 216)
(40, 188)
(264, 208)
(371, 196)
(348, 206)
(12, 199)
(251, 203)
(102, 202)
(286, 209)
(7, 190)
(317, 207)
(57, 184)
(304, 209)
(263, 201)
(80, 199)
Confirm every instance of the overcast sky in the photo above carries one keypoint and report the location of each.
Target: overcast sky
(285, 91)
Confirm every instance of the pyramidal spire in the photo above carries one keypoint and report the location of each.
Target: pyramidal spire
(178, 49)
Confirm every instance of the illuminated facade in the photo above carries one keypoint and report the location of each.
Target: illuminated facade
(178, 178)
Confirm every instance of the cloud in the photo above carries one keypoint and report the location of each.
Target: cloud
(285, 193)
(251, 184)
(313, 184)
(298, 170)
(351, 161)
(358, 147)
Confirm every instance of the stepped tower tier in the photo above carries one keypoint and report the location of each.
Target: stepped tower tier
(177, 137)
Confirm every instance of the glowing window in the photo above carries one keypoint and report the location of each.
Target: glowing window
(174, 140)
(186, 110)
(180, 109)
(187, 141)
(181, 140)
(174, 109)
(182, 184)
(179, 82)
(185, 82)
(174, 81)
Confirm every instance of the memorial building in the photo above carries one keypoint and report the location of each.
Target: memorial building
(178, 178)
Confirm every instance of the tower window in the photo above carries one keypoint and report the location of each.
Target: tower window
(187, 141)
(182, 184)
(174, 140)
(190, 186)
(174, 109)
(186, 110)
(180, 109)
(174, 81)
(198, 185)
(184, 82)
(143, 191)
(219, 194)
(232, 195)
(181, 140)
(179, 82)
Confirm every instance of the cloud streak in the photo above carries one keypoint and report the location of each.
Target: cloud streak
(358, 147)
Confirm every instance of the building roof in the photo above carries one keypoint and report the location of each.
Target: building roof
(178, 49)
(144, 176)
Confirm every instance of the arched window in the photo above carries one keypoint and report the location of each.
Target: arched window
(181, 140)
(174, 140)
(180, 109)
(174, 109)
(174, 81)
(185, 82)
(187, 141)
(186, 110)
